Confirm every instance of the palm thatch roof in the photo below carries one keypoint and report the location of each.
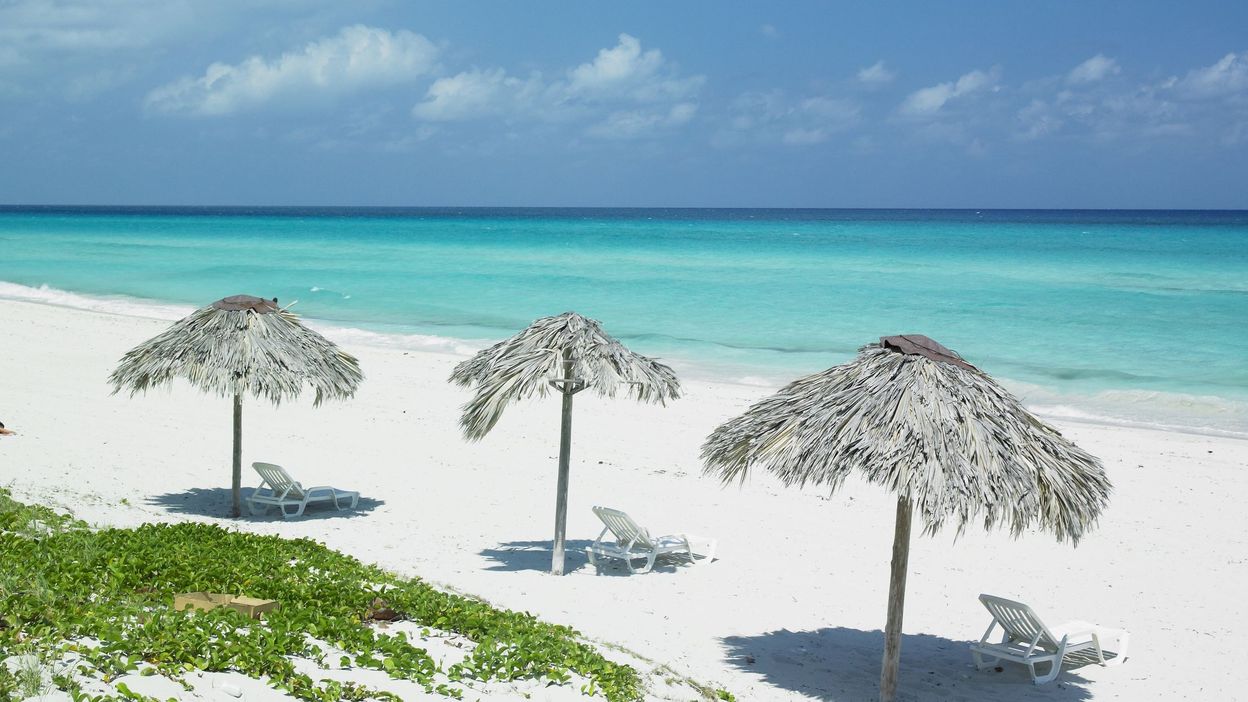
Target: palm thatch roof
(930, 427)
(545, 351)
(241, 345)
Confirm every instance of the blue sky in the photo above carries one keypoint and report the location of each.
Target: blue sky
(793, 104)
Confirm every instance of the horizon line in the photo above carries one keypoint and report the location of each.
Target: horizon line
(28, 206)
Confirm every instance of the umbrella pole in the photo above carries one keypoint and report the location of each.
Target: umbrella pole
(237, 482)
(565, 451)
(896, 602)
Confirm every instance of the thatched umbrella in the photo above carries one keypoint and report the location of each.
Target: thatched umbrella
(912, 416)
(238, 346)
(566, 352)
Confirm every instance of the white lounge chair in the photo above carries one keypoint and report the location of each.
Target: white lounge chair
(1028, 641)
(629, 542)
(278, 489)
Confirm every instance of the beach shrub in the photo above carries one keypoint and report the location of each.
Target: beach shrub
(105, 597)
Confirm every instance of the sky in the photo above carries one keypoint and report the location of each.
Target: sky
(1002, 103)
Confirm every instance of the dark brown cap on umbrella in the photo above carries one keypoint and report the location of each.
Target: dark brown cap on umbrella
(239, 303)
(919, 345)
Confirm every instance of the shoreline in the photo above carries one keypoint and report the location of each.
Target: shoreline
(705, 371)
(793, 605)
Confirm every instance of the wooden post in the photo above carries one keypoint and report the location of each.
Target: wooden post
(237, 483)
(565, 455)
(896, 602)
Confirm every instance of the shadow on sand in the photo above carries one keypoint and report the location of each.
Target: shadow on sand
(844, 664)
(535, 555)
(216, 502)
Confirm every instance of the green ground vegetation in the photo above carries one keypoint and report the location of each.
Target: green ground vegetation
(105, 596)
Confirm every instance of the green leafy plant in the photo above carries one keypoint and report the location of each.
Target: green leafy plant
(62, 583)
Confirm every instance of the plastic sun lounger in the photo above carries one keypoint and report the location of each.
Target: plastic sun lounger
(629, 542)
(1028, 641)
(278, 489)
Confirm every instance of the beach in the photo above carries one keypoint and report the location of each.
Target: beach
(904, 365)
(791, 609)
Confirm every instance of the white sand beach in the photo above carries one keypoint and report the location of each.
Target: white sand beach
(791, 610)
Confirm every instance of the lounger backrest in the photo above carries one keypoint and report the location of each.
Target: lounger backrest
(623, 527)
(1019, 621)
(278, 479)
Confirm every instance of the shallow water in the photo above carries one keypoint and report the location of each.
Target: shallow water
(1131, 316)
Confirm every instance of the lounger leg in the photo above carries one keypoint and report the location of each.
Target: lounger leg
(649, 563)
(710, 550)
(338, 505)
(1055, 667)
(1100, 653)
(1122, 650)
(981, 664)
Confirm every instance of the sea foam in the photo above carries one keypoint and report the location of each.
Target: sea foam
(168, 311)
(111, 304)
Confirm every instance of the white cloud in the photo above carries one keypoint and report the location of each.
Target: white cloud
(1229, 76)
(1209, 102)
(615, 66)
(1101, 115)
(356, 58)
(929, 101)
(624, 92)
(876, 74)
(62, 47)
(626, 70)
(1094, 69)
(1037, 119)
(630, 124)
(475, 93)
(88, 25)
(769, 31)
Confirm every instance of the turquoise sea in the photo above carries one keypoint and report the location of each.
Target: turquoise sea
(1136, 317)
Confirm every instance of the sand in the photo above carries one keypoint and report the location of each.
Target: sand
(792, 608)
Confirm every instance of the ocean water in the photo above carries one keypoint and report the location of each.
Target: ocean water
(1135, 317)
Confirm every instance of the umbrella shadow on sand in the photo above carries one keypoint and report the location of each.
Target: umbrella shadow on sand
(218, 502)
(535, 555)
(837, 663)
